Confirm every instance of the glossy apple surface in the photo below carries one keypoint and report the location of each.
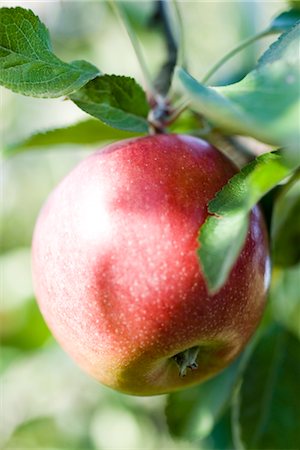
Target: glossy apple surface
(116, 272)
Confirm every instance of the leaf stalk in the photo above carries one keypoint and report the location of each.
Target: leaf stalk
(117, 8)
(232, 53)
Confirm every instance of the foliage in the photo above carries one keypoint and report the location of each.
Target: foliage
(271, 377)
(285, 20)
(286, 224)
(88, 132)
(28, 65)
(254, 402)
(224, 232)
(191, 414)
(118, 101)
(264, 104)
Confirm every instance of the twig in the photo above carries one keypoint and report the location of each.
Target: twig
(233, 52)
(152, 92)
(162, 16)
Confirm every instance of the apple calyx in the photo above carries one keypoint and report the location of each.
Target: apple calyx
(187, 360)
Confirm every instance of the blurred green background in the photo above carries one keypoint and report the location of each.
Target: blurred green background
(46, 401)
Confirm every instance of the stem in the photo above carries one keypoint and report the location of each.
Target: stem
(177, 111)
(181, 59)
(244, 152)
(136, 46)
(167, 14)
(164, 77)
(233, 52)
(235, 411)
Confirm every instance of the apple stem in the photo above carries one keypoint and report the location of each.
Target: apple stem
(159, 115)
(187, 360)
(162, 114)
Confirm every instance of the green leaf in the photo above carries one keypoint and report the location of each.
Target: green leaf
(192, 413)
(221, 241)
(247, 187)
(223, 234)
(295, 3)
(221, 437)
(265, 104)
(285, 21)
(24, 338)
(268, 406)
(285, 50)
(285, 230)
(284, 297)
(27, 64)
(42, 433)
(88, 132)
(117, 101)
(187, 123)
(8, 356)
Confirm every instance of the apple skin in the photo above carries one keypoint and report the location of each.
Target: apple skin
(116, 273)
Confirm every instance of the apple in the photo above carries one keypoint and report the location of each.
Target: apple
(116, 272)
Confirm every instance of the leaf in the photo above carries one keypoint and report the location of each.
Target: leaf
(88, 132)
(187, 123)
(284, 297)
(285, 231)
(42, 433)
(27, 64)
(51, 375)
(268, 407)
(192, 413)
(221, 437)
(284, 50)
(117, 101)
(221, 241)
(23, 337)
(8, 356)
(265, 104)
(247, 187)
(295, 3)
(223, 234)
(284, 21)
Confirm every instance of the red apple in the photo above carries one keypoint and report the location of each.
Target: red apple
(116, 272)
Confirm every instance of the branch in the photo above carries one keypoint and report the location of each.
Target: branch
(161, 17)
